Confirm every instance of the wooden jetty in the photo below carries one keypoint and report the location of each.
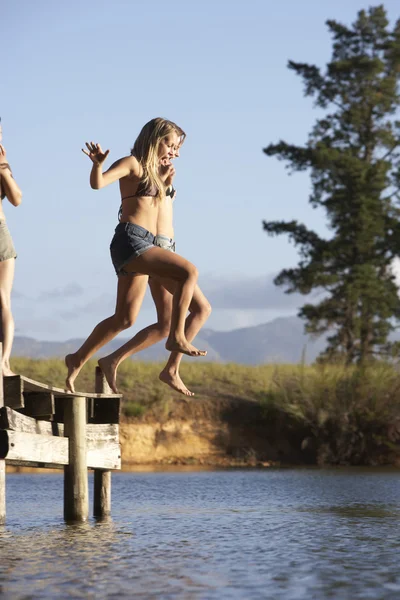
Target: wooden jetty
(44, 426)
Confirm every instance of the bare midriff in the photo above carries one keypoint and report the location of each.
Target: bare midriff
(141, 210)
(164, 221)
(2, 215)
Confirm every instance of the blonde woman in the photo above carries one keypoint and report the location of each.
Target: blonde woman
(10, 190)
(143, 179)
(199, 309)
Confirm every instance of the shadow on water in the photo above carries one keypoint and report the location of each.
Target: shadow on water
(357, 511)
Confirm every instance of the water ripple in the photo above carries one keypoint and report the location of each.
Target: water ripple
(292, 534)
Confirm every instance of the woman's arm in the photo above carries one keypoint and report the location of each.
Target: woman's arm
(10, 186)
(8, 183)
(124, 167)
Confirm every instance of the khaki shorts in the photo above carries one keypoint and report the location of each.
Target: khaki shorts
(162, 241)
(7, 249)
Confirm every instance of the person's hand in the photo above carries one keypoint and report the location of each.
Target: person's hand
(167, 173)
(3, 157)
(95, 153)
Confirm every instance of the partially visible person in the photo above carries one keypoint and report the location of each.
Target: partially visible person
(10, 190)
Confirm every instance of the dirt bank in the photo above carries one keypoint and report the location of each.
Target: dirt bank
(221, 431)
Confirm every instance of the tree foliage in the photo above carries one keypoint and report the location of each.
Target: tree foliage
(353, 155)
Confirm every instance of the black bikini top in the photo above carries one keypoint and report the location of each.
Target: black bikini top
(150, 190)
(144, 190)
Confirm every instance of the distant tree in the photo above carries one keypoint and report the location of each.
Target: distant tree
(353, 153)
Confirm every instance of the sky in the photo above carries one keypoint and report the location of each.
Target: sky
(98, 70)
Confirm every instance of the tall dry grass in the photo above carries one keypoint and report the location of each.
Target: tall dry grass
(341, 415)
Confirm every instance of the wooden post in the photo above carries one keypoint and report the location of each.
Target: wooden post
(2, 462)
(76, 493)
(102, 479)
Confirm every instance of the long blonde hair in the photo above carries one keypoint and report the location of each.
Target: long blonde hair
(145, 150)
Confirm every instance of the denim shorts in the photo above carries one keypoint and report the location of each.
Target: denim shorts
(162, 241)
(129, 242)
(7, 249)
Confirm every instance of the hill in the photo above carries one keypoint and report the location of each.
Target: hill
(280, 341)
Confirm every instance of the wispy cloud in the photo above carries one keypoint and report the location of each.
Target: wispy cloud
(71, 290)
(259, 293)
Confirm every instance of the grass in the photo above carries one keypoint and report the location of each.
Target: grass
(339, 415)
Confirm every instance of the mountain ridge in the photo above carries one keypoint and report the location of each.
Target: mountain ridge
(281, 340)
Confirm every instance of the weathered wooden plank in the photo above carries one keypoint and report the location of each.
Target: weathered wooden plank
(33, 447)
(30, 385)
(45, 450)
(39, 404)
(103, 455)
(103, 432)
(13, 388)
(11, 419)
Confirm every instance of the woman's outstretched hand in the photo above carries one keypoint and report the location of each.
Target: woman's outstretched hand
(95, 153)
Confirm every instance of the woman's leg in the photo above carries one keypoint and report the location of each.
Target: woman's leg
(200, 310)
(7, 268)
(163, 264)
(144, 338)
(130, 294)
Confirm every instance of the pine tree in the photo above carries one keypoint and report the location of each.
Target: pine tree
(353, 154)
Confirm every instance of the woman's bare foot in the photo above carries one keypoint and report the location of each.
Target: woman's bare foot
(109, 369)
(73, 372)
(175, 382)
(173, 345)
(6, 371)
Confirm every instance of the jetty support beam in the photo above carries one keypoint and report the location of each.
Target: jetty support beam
(76, 492)
(2, 462)
(102, 478)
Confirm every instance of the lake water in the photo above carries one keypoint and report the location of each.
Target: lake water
(279, 534)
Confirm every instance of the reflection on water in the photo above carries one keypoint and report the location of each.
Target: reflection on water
(289, 534)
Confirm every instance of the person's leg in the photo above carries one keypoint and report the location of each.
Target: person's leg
(7, 268)
(200, 310)
(163, 264)
(143, 339)
(130, 294)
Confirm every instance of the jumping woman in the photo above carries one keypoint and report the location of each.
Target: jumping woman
(199, 309)
(143, 179)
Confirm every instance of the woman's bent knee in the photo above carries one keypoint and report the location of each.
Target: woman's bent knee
(202, 308)
(124, 321)
(206, 309)
(192, 272)
(164, 329)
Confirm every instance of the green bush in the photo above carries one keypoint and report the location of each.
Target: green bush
(133, 409)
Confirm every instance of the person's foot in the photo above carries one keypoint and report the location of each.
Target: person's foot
(6, 371)
(109, 369)
(175, 382)
(73, 372)
(174, 345)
